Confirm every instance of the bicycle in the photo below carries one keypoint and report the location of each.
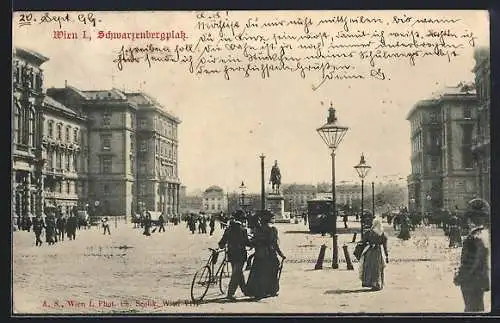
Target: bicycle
(205, 276)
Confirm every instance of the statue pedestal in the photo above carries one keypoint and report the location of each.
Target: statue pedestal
(276, 204)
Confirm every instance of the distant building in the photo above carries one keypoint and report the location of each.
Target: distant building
(189, 203)
(297, 195)
(441, 158)
(481, 136)
(214, 200)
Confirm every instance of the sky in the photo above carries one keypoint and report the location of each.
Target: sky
(227, 125)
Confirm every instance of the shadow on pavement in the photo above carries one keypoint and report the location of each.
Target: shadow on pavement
(348, 291)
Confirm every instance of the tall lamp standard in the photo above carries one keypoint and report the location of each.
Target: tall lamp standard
(243, 190)
(362, 169)
(332, 134)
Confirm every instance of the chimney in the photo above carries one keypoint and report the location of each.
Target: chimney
(65, 83)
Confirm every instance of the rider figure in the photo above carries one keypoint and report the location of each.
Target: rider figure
(275, 179)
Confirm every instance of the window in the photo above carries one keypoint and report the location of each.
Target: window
(106, 142)
(467, 158)
(68, 131)
(467, 112)
(75, 162)
(143, 122)
(49, 164)
(142, 189)
(467, 134)
(68, 187)
(142, 167)
(59, 158)
(132, 164)
(106, 162)
(59, 131)
(68, 161)
(17, 124)
(105, 189)
(106, 118)
(75, 135)
(143, 145)
(50, 129)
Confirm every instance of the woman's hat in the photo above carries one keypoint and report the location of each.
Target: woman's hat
(265, 215)
(478, 208)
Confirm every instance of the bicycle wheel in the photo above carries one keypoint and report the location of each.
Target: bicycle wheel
(200, 283)
(224, 277)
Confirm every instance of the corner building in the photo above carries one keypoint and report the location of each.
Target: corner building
(443, 175)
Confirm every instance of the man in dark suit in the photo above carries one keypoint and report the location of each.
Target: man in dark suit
(236, 239)
(473, 274)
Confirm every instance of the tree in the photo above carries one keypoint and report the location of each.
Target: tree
(390, 197)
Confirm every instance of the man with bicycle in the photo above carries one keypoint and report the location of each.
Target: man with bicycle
(236, 239)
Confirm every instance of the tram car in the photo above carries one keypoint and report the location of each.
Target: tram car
(319, 215)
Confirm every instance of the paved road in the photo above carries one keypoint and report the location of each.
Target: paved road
(129, 273)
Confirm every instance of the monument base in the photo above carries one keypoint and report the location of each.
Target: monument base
(276, 204)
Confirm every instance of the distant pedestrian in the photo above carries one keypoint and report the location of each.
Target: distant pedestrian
(212, 224)
(345, 219)
(71, 225)
(371, 263)
(161, 223)
(61, 226)
(147, 224)
(473, 274)
(454, 233)
(38, 225)
(105, 225)
(404, 233)
(50, 229)
(191, 221)
(305, 218)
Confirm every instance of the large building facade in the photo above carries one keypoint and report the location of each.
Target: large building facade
(443, 175)
(481, 137)
(27, 124)
(109, 149)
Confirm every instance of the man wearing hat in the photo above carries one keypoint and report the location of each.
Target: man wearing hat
(473, 274)
(236, 239)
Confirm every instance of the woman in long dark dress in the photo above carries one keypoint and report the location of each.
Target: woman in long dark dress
(371, 263)
(263, 279)
(404, 232)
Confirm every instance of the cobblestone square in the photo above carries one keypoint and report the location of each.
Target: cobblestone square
(130, 273)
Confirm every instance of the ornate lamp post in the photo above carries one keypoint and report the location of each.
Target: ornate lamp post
(362, 169)
(332, 134)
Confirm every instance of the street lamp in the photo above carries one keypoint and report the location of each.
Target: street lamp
(243, 189)
(362, 169)
(332, 134)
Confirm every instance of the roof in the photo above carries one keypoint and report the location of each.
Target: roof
(146, 100)
(30, 55)
(461, 90)
(105, 95)
(47, 100)
(214, 188)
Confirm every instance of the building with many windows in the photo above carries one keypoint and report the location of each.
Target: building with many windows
(214, 200)
(441, 158)
(481, 136)
(108, 148)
